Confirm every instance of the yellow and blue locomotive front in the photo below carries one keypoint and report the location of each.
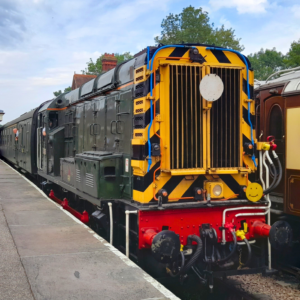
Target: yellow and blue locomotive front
(192, 156)
(192, 142)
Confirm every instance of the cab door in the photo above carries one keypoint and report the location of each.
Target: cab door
(111, 123)
(89, 126)
(79, 128)
(99, 127)
(124, 135)
(274, 125)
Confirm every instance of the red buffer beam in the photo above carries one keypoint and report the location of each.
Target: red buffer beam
(84, 217)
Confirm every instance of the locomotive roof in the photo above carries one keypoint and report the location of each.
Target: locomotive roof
(44, 106)
(23, 117)
(28, 114)
(120, 75)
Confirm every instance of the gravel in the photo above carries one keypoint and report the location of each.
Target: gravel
(276, 287)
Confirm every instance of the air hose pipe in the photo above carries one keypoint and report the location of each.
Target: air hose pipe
(196, 255)
(274, 186)
(279, 170)
(273, 171)
(271, 187)
(232, 251)
(182, 265)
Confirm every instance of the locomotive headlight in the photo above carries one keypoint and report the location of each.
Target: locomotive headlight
(214, 188)
(217, 190)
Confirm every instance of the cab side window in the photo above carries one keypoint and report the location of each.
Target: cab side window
(53, 120)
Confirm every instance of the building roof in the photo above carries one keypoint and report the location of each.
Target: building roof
(80, 79)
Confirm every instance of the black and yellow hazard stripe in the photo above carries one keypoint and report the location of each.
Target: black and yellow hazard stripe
(182, 185)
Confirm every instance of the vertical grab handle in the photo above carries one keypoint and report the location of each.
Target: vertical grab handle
(91, 126)
(111, 129)
(96, 129)
(118, 122)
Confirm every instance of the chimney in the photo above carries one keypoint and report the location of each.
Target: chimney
(109, 61)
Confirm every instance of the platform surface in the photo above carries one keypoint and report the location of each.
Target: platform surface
(45, 253)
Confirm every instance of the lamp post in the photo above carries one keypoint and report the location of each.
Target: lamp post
(1, 114)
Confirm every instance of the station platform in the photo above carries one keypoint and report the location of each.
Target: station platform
(46, 253)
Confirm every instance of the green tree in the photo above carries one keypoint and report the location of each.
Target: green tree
(293, 56)
(266, 62)
(94, 68)
(192, 26)
(59, 92)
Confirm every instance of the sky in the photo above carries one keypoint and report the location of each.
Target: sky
(43, 42)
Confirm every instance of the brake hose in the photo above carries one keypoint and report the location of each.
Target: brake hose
(279, 171)
(248, 91)
(272, 171)
(232, 251)
(196, 255)
(182, 265)
(249, 252)
(273, 187)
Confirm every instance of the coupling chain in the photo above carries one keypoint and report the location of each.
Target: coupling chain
(240, 260)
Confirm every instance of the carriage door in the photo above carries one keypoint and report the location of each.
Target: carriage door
(26, 153)
(15, 145)
(21, 144)
(39, 142)
(274, 118)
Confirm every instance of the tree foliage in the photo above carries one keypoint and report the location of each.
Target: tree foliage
(59, 92)
(293, 56)
(95, 68)
(192, 26)
(266, 62)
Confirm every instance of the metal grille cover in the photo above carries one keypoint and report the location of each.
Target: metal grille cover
(89, 180)
(185, 117)
(225, 121)
(77, 175)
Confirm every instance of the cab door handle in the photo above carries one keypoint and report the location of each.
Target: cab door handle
(111, 124)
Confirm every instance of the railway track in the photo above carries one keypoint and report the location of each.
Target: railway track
(245, 287)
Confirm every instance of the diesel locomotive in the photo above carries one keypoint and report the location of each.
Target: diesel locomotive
(158, 156)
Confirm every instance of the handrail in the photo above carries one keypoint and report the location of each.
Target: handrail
(285, 70)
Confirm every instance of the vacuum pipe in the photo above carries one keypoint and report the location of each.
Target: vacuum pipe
(127, 212)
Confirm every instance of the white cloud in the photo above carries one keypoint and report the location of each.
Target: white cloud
(58, 37)
(296, 11)
(242, 6)
(227, 24)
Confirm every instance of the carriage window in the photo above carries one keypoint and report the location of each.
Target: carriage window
(276, 122)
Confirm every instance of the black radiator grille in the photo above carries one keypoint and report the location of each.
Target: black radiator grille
(185, 117)
(225, 121)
